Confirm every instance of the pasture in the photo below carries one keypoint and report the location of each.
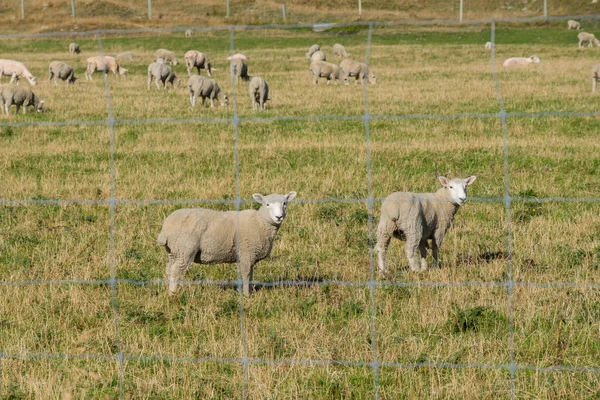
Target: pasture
(434, 335)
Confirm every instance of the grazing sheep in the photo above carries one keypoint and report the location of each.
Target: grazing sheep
(189, 33)
(318, 56)
(237, 56)
(595, 76)
(64, 71)
(488, 46)
(572, 24)
(259, 93)
(166, 55)
(419, 217)
(162, 73)
(19, 96)
(312, 50)
(198, 60)
(340, 51)
(126, 56)
(206, 88)
(351, 68)
(74, 48)
(16, 70)
(209, 237)
(323, 69)
(103, 64)
(240, 70)
(520, 61)
(589, 38)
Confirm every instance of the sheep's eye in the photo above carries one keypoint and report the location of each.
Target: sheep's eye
(451, 187)
(268, 205)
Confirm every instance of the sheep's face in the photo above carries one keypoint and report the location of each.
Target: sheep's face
(274, 206)
(534, 59)
(372, 78)
(457, 188)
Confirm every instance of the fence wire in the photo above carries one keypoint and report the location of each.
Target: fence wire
(372, 284)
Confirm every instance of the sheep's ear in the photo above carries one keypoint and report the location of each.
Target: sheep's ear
(258, 197)
(470, 180)
(290, 196)
(443, 180)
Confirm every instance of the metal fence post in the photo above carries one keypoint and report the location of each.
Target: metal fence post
(283, 12)
(545, 8)
(22, 9)
(460, 13)
(359, 7)
(73, 9)
(227, 5)
(149, 9)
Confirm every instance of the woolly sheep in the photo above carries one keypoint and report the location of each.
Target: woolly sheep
(207, 236)
(323, 69)
(314, 48)
(572, 24)
(166, 55)
(351, 68)
(589, 38)
(595, 76)
(488, 46)
(59, 69)
(162, 73)
(189, 33)
(318, 56)
(16, 70)
(240, 70)
(520, 61)
(126, 56)
(419, 217)
(103, 64)
(198, 60)
(19, 96)
(74, 48)
(340, 51)
(206, 88)
(237, 56)
(259, 93)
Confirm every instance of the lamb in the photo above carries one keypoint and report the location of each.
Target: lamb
(419, 217)
(314, 48)
(521, 61)
(323, 69)
(589, 38)
(488, 46)
(318, 56)
(74, 48)
(595, 76)
(237, 56)
(19, 96)
(189, 33)
(162, 73)
(198, 60)
(358, 70)
(240, 70)
(572, 24)
(126, 56)
(59, 69)
(16, 70)
(103, 64)
(206, 88)
(207, 236)
(340, 51)
(259, 93)
(166, 55)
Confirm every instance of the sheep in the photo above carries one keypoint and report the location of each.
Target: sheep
(340, 51)
(189, 33)
(572, 24)
(318, 56)
(19, 96)
(259, 93)
(595, 76)
(589, 38)
(419, 217)
(314, 48)
(488, 46)
(74, 48)
(520, 61)
(207, 236)
(103, 64)
(206, 88)
(166, 55)
(126, 56)
(162, 73)
(240, 70)
(59, 69)
(237, 56)
(323, 69)
(16, 70)
(198, 60)
(358, 70)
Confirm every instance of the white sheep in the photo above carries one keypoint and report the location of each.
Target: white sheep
(209, 237)
(199, 85)
(419, 217)
(318, 56)
(237, 56)
(521, 61)
(59, 69)
(488, 46)
(166, 55)
(103, 64)
(259, 93)
(340, 51)
(16, 70)
(19, 96)
(595, 76)
(572, 24)
(74, 48)
(312, 49)
(589, 38)
(351, 68)
(198, 60)
(126, 56)
(240, 70)
(162, 72)
(189, 33)
(323, 69)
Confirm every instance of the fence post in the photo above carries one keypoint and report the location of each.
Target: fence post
(460, 13)
(283, 12)
(149, 9)
(545, 9)
(227, 5)
(22, 9)
(359, 8)
(73, 9)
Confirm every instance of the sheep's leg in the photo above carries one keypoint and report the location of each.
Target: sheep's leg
(436, 243)
(315, 79)
(412, 245)
(157, 83)
(193, 100)
(149, 80)
(423, 251)
(212, 97)
(246, 273)
(181, 263)
(12, 78)
(385, 230)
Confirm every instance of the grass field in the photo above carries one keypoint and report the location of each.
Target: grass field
(474, 331)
